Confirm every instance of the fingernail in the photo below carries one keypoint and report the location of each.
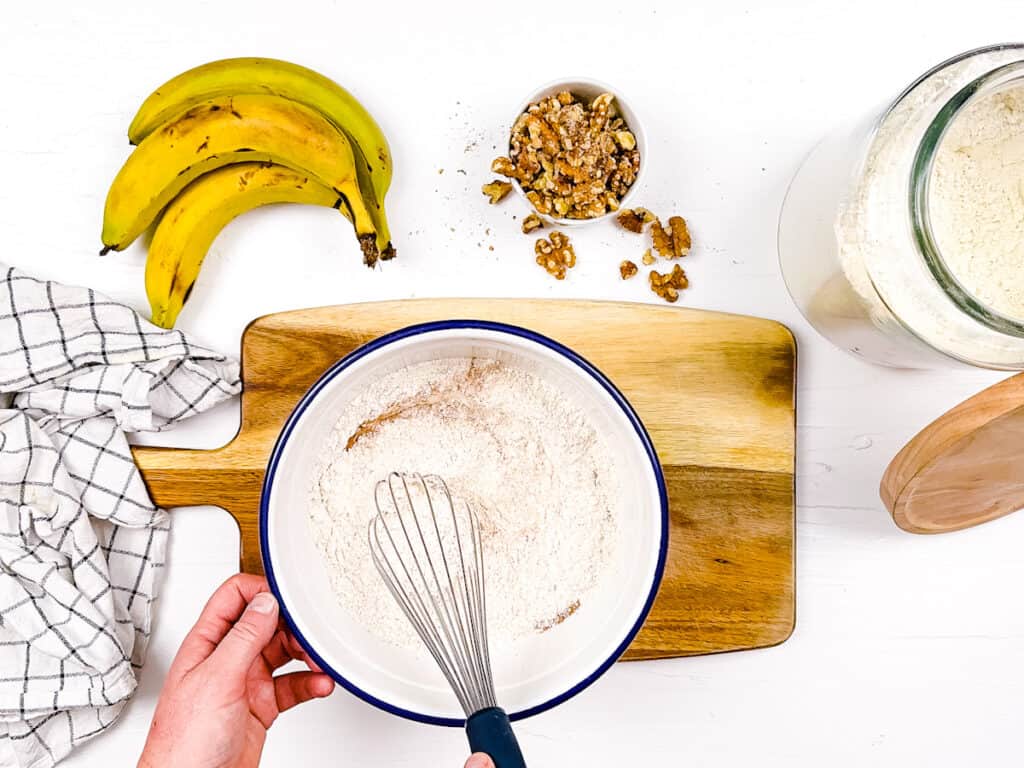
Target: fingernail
(264, 602)
(479, 761)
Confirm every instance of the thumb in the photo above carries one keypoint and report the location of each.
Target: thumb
(248, 637)
(479, 760)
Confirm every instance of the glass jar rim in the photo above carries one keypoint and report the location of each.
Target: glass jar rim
(920, 180)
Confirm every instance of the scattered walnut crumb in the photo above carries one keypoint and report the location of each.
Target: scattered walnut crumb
(573, 160)
(634, 219)
(648, 258)
(555, 254)
(496, 190)
(627, 269)
(532, 222)
(668, 285)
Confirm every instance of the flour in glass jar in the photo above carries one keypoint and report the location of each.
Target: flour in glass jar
(529, 461)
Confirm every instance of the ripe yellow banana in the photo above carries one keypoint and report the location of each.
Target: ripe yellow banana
(248, 75)
(191, 222)
(227, 130)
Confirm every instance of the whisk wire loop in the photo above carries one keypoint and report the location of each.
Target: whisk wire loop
(427, 546)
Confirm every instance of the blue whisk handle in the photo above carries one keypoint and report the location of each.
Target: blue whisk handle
(490, 732)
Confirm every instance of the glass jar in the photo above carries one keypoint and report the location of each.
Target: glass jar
(857, 233)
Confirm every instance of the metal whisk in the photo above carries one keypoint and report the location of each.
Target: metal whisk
(426, 545)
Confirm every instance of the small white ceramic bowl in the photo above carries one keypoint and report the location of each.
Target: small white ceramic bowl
(534, 674)
(587, 89)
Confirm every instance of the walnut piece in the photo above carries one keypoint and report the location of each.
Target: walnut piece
(631, 221)
(496, 190)
(648, 258)
(634, 219)
(574, 160)
(668, 285)
(627, 269)
(555, 254)
(661, 239)
(672, 242)
(531, 223)
(680, 237)
(625, 139)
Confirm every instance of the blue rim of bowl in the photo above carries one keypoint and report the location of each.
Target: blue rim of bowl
(416, 330)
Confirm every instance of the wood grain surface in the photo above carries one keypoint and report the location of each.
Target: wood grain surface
(715, 391)
(965, 468)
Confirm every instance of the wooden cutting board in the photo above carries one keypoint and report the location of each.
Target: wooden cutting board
(715, 391)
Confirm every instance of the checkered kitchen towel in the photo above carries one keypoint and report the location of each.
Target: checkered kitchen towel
(81, 544)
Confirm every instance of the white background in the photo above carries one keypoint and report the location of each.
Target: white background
(907, 651)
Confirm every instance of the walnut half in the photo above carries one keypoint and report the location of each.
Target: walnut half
(680, 237)
(672, 242)
(555, 254)
(531, 223)
(668, 285)
(627, 269)
(633, 219)
(496, 190)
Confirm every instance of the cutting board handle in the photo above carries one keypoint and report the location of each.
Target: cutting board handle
(179, 477)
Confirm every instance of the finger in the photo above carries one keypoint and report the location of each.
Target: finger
(277, 653)
(297, 687)
(245, 641)
(299, 653)
(217, 617)
(479, 760)
(284, 648)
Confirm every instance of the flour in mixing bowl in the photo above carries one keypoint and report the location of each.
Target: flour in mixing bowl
(528, 460)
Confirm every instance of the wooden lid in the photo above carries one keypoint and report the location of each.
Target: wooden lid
(965, 468)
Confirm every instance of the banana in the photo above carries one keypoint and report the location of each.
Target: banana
(225, 130)
(190, 224)
(250, 75)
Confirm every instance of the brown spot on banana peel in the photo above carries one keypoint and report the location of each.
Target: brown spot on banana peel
(188, 168)
(170, 288)
(203, 146)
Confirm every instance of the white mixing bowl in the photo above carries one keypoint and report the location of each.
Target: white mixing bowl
(538, 672)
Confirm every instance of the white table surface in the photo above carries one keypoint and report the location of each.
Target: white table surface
(907, 651)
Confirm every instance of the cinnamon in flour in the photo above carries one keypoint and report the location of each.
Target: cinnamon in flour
(527, 458)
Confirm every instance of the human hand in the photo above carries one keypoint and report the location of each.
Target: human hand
(479, 760)
(221, 696)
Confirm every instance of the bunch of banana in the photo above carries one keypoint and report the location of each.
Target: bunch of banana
(233, 135)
